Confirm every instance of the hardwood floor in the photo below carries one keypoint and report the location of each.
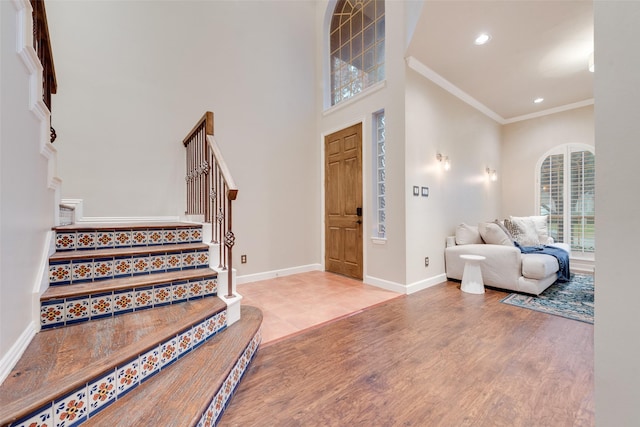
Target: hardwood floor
(438, 357)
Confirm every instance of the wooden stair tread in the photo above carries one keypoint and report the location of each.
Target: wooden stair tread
(86, 288)
(88, 226)
(181, 393)
(135, 250)
(58, 361)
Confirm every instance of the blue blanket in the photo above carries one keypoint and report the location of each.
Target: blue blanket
(564, 274)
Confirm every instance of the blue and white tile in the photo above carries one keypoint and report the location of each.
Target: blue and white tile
(157, 263)
(81, 271)
(168, 352)
(122, 266)
(127, 377)
(85, 240)
(60, 273)
(65, 241)
(173, 261)
(71, 410)
(77, 309)
(102, 392)
(40, 418)
(122, 238)
(203, 258)
(105, 239)
(188, 260)
(101, 305)
(155, 237)
(210, 285)
(184, 342)
(195, 235)
(180, 291)
(102, 268)
(143, 298)
(196, 290)
(140, 264)
(52, 313)
(149, 363)
(183, 235)
(123, 301)
(162, 295)
(198, 334)
(169, 237)
(139, 237)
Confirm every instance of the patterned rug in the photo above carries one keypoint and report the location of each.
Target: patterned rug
(573, 299)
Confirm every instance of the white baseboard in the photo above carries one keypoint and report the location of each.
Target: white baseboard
(277, 273)
(426, 283)
(14, 354)
(385, 284)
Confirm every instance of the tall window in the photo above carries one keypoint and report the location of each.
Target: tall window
(379, 159)
(567, 194)
(356, 47)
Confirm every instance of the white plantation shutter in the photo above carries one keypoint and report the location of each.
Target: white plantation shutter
(566, 180)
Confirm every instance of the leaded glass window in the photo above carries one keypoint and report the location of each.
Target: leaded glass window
(356, 47)
(380, 176)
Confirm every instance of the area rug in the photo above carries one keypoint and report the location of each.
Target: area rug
(573, 299)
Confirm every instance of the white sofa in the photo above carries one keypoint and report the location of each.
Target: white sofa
(505, 267)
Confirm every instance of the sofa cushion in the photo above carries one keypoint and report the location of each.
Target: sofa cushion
(523, 230)
(492, 234)
(538, 266)
(542, 229)
(467, 235)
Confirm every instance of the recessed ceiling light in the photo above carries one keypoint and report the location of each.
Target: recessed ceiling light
(482, 39)
(538, 100)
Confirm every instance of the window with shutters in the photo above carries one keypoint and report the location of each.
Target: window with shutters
(356, 39)
(566, 182)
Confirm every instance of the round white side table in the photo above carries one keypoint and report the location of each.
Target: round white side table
(472, 275)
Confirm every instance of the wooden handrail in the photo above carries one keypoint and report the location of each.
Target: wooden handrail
(42, 46)
(211, 190)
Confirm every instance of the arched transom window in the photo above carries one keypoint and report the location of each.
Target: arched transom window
(356, 47)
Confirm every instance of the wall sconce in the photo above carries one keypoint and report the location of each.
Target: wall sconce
(492, 174)
(592, 65)
(444, 160)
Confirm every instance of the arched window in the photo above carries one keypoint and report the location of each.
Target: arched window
(356, 47)
(566, 192)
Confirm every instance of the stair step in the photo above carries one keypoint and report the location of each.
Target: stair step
(97, 235)
(65, 305)
(79, 266)
(197, 388)
(88, 365)
(108, 235)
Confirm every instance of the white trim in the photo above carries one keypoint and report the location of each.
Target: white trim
(426, 283)
(110, 219)
(77, 207)
(248, 278)
(386, 284)
(445, 84)
(16, 351)
(356, 98)
(554, 110)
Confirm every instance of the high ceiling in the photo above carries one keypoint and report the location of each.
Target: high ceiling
(538, 48)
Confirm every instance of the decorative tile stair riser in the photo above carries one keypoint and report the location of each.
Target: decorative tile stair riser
(68, 240)
(101, 391)
(573, 299)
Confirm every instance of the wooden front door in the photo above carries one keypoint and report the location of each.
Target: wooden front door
(343, 202)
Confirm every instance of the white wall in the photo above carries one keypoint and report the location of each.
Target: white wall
(383, 263)
(437, 122)
(134, 77)
(523, 145)
(26, 202)
(617, 124)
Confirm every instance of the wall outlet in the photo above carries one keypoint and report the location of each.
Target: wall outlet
(426, 261)
(243, 259)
